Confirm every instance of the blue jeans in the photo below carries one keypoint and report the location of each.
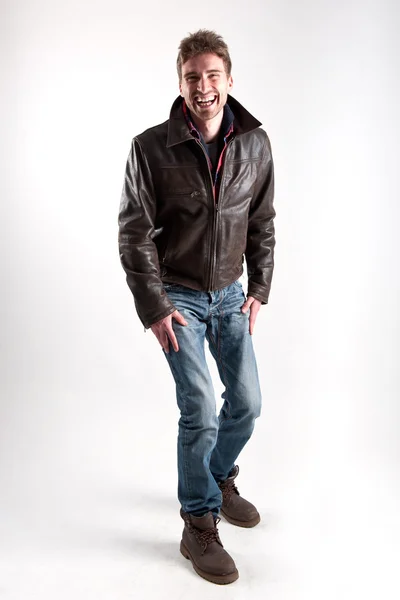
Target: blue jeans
(209, 445)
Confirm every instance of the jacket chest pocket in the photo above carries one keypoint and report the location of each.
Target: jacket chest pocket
(181, 206)
(176, 193)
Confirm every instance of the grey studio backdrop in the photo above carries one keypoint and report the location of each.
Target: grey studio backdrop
(88, 504)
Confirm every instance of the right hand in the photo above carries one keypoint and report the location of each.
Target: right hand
(163, 331)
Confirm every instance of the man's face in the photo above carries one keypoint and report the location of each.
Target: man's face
(205, 85)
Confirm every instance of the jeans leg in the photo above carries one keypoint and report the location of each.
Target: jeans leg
(198, 491)
(232, 348)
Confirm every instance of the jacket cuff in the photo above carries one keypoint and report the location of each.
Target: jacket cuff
(258, 292)
(148, 321)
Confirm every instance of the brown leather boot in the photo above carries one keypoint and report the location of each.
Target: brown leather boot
(236, 509)
(202, 545)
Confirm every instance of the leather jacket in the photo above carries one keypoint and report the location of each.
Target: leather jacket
(175, 227)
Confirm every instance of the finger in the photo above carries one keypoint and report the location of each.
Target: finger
(252, 321)
(172, 337)
(164, 341)
(253, 316)
(247, 304)
(180, 318)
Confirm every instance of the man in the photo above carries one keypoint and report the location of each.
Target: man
(197, 199)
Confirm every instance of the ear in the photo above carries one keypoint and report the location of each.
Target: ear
(230, 82)
(180, 89)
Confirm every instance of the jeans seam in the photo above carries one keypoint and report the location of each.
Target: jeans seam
(222, 365)
(217, 348)
(184, 406)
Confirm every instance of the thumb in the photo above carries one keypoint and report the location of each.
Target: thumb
(180, 318)
(247, 304)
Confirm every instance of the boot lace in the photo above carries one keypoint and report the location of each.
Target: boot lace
(205, 536)
(228, 488)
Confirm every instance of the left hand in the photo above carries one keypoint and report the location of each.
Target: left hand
(254, 306)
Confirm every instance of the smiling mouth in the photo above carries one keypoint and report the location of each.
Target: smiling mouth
(205, 102)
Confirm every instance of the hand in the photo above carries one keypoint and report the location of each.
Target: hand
(254, 306)
(164, 333)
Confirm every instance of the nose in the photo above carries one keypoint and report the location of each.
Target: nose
(202, 84)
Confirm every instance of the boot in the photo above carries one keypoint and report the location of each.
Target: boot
(236, 509)
(202, 545)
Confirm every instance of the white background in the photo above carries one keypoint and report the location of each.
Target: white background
(88, 415)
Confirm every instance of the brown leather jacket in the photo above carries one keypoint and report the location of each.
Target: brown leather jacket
(173, 230)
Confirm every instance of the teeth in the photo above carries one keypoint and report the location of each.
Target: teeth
(210, 99)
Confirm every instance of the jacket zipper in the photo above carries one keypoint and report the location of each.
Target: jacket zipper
(216, 215)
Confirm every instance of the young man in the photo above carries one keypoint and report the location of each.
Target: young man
(197, 199)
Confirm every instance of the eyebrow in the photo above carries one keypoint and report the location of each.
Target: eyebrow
(208, 71)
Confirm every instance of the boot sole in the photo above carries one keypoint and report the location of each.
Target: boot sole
(246, 524)
(219, 579)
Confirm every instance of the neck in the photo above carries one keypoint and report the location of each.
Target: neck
(209, 129)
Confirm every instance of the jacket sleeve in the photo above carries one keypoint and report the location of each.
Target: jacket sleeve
(137, 250)
(261, 231)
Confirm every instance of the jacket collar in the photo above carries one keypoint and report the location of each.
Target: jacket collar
(178, 130)
(226, 128)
